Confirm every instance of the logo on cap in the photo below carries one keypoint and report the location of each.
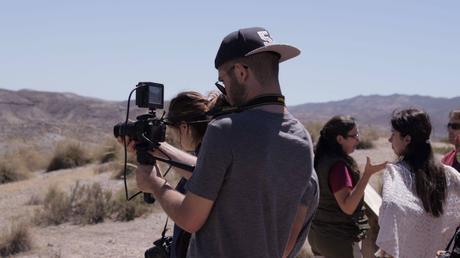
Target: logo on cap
(265, 36)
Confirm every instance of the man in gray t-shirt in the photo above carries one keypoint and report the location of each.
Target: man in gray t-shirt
(254, 166)
(250, 193)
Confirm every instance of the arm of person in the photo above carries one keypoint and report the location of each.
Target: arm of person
(189, 211)
(348, 199)
(167, 151)
(296, 227)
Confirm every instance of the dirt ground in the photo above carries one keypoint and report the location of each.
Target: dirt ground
(108, 239)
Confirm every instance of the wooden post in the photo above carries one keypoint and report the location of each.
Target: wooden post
(373, 201)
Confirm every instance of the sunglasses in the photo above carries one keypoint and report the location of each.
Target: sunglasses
(356, 136)
(453, 126)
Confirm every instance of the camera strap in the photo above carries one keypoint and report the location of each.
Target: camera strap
(163, 234)
(269, 99)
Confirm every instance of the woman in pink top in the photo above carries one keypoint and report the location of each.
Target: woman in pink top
(340, 221)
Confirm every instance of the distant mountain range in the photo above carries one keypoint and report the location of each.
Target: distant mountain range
(376, 110)
(46, 117)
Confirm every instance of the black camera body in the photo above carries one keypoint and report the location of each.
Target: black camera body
(161, 248)
(147, 130)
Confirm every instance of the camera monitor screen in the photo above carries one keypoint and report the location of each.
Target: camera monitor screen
(156, 95)
(149, 95)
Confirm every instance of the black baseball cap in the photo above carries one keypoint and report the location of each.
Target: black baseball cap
(249, 41)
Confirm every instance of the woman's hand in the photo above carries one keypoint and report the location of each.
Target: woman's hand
(130, 144)
(370, 169)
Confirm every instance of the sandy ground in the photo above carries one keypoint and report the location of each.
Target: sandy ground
(108, 239)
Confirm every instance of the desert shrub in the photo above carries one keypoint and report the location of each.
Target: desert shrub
(68, 155)
(33, 158)
(367, 137)
(15, 240)
(111, 150)
(314, 128)
(56, 208)
(88, 204)
(124, 210)
(11, 171)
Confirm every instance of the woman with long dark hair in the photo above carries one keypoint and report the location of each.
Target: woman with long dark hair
(421, 197)
(340, 221)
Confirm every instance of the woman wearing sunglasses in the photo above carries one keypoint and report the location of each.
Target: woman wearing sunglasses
(453, 127)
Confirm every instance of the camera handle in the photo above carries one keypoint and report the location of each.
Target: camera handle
(144, 158)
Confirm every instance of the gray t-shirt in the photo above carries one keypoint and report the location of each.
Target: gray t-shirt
(256, 167)
(310, 200)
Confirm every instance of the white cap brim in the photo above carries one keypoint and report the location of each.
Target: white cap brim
(285, 51)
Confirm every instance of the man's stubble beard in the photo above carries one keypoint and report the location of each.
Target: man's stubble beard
(237, 92)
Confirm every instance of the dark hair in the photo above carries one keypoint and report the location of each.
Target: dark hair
(327, 142)
(191, 107)
(430, 178)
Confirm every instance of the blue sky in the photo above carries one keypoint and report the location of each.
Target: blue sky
(103, 48)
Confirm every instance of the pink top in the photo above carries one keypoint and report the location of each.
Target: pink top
(450, 159)
(339, 177)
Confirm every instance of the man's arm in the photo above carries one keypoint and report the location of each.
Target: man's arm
(189, 211)
(296, 227)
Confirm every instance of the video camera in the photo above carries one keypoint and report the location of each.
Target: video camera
(147, 130)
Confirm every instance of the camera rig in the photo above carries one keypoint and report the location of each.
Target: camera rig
(147, 131)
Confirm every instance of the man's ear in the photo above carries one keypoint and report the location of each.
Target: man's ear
(241, 72)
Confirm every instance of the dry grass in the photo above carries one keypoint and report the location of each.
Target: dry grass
(90, 204)
(11, 170)
(107, 167)
(56, 208)
(87, 204)
(119, 172)
(110, 150)
(33, 158)
(34, 200)
(314, 128)
(367, 137)
(128, 210)
(17, 239)
(68, 154)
